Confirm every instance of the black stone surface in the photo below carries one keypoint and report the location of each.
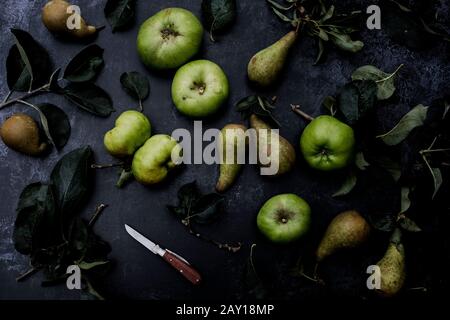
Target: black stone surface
(141, 275)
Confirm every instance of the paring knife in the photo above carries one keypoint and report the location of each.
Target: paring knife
(170, 257)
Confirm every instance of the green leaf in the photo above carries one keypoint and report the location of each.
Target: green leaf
(258, 105)
(136, 85)
(35, 214)
(86, 65)
(77, 237)
(356, 99)
(58, 124)
(345, 42)
(405, 202)
(385, 81)
(348, 185)
(35, 59)
(361, 162)
(70, 178)
(90, 265)
(207, 208)
(385, 223)
(413, 119)
(246, 103)
(328, 15)
(409, 225)
(436, 174)
(391, 166)
(218, 14)
(89, 97)
(18, 77)
(320, 52)
(281, 15)
(278, 6)
(120, 13)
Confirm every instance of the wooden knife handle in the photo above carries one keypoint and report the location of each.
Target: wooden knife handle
(182, 267)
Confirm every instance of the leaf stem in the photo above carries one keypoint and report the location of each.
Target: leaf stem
(141, 107)
(7, 96)
(297, 110)
(26, 96)
(97, 213)
(27, 274)
(106, 166)
(391, 75)
(434, 150)
(224, 246)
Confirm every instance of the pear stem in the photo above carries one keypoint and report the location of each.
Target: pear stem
(97, 213)
(304, 115)
(106, 166)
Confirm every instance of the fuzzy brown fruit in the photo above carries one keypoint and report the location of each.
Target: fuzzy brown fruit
(21, 133)
(55, 16)
(347, 230)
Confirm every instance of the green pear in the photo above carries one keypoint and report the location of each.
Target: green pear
(265, 66)
(132, 129)
(283, 157)
(232, 140)
(347, 230)
(392, 267)
(153, 161)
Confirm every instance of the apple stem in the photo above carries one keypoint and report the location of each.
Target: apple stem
(304, 115)
(106, 166)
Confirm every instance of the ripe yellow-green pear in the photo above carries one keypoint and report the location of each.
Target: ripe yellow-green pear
(153, 161)
(131, 130)
(392, 267)
(232, 139)
(265, 66)
(284, 155)
(347, 230)
(55, 16)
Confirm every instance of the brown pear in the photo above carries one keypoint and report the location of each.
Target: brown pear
(55, 16)
(265, 66)
(233, 141)
(21, 133)
(282, 157)
(392, 267)
(347, 230)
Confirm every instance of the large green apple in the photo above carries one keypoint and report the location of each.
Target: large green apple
(284, 218)
(327, 143)
(153, 161)
(169, 39)
(131, 130)
(199, 88)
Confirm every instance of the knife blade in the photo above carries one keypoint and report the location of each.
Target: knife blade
(176, 261)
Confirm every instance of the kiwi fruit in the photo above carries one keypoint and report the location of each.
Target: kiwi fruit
(55, 17)
(21, 133)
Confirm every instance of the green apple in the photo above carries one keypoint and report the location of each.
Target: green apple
(327, 143)
(199, 88)
(131, 130)
(169, 39)
(153, 161)
(284, 218)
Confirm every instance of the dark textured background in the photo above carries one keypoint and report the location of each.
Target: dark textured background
(138, 273)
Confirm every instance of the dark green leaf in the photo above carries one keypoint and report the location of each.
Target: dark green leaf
(58, 124)
(413, 119)
(218, 14)
(34, 57)
(86, 65)
(36, 216)
(385, 223)
(246, 103)
(356, 99)
(188, 194)
(282, 16)
(344, 42)
(120, 13)
(90, 265)
(70, 178)
(320, 52)
(385, 81)
(361, 162)
(89, 97)
(330, 104)
(77, 237)
(18, 77)
(405, 202)
(390, 166)
(207, 208)
(348, 185)
(278, 6)
(409, 225)
(136, 85)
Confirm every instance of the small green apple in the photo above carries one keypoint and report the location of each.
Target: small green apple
(131, 130)
(153, 161)
(199, 88)
(284, 218)
(169, 39)
(327, 143)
